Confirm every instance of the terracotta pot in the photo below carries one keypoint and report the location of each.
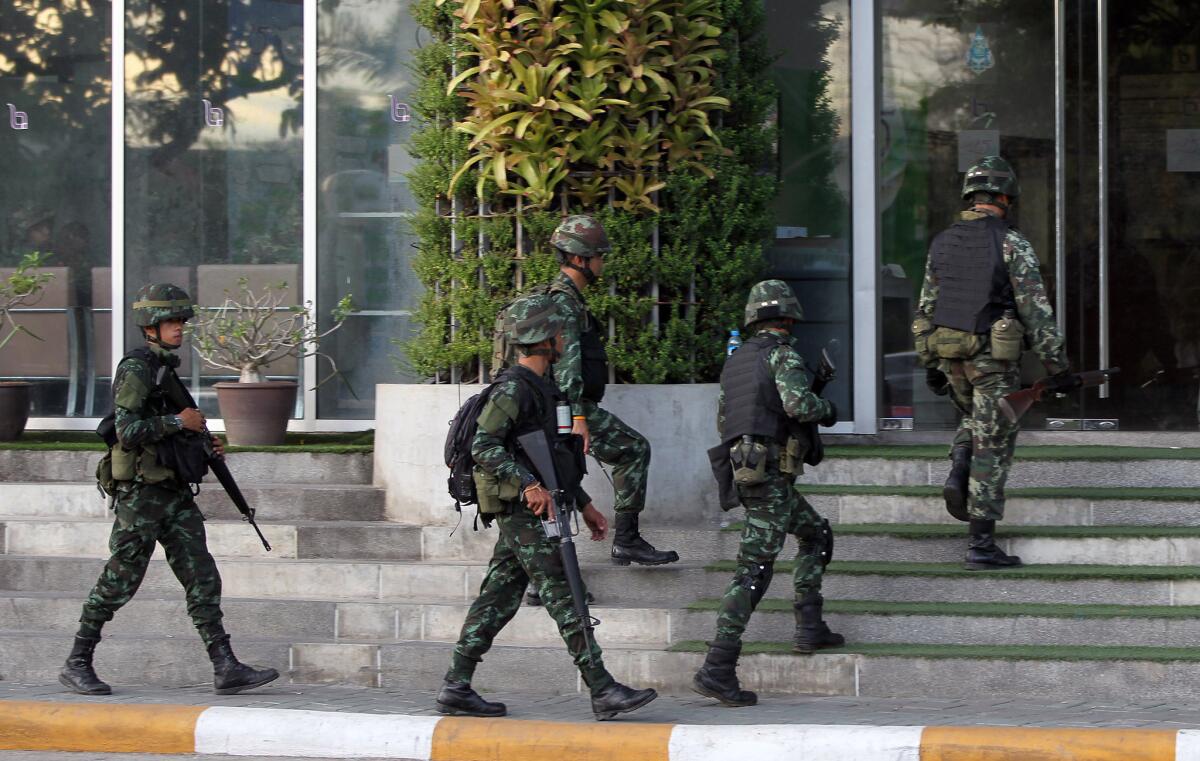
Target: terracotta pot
(14, 409)
(256, 414)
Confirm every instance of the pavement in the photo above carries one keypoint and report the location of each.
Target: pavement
(295, 721)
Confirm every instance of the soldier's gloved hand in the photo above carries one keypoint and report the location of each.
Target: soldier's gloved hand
(937, 381)
(831, 419)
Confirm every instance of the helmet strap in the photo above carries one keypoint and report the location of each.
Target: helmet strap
(157, 339)
(587, 273)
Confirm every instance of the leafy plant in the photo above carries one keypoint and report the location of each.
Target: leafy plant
(22, 289)
(251, 330)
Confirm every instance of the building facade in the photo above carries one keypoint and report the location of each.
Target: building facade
(266, 140)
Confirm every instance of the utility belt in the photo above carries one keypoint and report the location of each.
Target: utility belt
(1004, 341)
(755, 458)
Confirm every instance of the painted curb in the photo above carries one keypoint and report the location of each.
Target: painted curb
(101, 728)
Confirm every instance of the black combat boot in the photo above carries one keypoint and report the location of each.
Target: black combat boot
(231, 676)
(458, 699)
(982, 552)
(629, 546)
(617, 698)
(77, 673)
(955, 490)
(812, 633)
(717, 678)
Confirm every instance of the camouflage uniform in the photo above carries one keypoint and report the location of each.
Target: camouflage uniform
(977, 384)
(774, 509)
(614, 442)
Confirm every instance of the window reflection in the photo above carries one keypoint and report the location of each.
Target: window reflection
(55, 95)
(214, 151)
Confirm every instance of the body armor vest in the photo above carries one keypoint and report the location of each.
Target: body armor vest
(973, 285)
(752, 403)
(537, 402)
(595, 362)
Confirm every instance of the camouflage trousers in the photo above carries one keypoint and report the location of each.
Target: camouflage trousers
(524, 555)
(165, 514)
(626, 451)
(977, 386)
(773, 510)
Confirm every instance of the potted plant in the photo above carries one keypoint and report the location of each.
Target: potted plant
(23, 288)
(245, 334)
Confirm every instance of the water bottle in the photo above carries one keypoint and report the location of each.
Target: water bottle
(735, 342)
(563, 418)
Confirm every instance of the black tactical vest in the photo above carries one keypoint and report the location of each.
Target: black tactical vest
(595, 362)
(752, 402)
(973, 286)
(537, 403)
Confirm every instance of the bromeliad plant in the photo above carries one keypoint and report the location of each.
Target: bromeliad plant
(251, 330)
(22, 289)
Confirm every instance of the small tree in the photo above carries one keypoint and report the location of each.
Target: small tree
(252, 330)
(23, 288)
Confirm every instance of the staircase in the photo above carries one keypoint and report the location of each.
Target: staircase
(1108, 605)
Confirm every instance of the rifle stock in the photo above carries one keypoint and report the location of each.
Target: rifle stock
(536, 446)
(1015, 405)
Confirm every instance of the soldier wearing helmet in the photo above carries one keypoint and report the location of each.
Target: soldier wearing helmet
(983, 303)
(524, 399)
(582, 374)
(765, 393)
(152, 414)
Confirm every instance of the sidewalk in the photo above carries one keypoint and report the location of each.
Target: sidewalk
(315, 721)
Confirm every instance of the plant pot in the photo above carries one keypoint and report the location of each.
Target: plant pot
(14, 409)
(256, 414)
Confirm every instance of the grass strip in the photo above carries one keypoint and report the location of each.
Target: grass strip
(940, 531)
(1043, 572)
(1097, 452)
(975, 652)
(976, 609)
(1097, 493)
(360, 442)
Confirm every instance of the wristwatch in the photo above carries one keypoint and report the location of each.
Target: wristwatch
(178, 421)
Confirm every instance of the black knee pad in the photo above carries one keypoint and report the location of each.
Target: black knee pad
(819, 544)
(756, 577)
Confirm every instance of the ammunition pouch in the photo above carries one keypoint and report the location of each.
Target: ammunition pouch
(104, 475)
(186, 454)
(749, 460)
(792, 454)
(950, 343)
(1007, 337)
(722, 468)
(495, 495)
(922, 329)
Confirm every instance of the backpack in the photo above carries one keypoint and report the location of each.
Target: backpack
(503, 353)
(457, 451)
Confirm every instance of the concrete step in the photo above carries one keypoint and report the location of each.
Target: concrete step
(272, 501)
(1032, 467)
(24, 465)
(938, 623)
(1046, 506)
(226, 539)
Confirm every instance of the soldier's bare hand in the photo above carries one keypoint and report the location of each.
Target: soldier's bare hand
(218, 447)
(193, 420)
(595, 521)
(580, 428)
(539, 501)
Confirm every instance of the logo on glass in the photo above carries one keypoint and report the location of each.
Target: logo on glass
(400, 113)
(213, 116)
(979, 55)
(17, 119)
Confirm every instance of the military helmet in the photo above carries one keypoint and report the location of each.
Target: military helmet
(532, 319)
(771, 300)
(581, 235)
(161, 301)
(991, 174)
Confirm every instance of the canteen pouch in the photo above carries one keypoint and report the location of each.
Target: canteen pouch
(922, 328)
(104, 475)
(749, 460)
(1008, 335)
(493, 493)
(791, 458)
(949, 343)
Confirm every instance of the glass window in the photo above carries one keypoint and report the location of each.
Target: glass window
(812, 247)
(55, 96)
(214, 155)
(365, 244)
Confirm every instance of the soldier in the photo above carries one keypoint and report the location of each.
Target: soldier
(582, 374)
(983, 302)
(525, 400)
(153, 505)
(765, 392)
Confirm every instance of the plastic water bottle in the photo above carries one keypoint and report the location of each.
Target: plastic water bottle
(735, 342)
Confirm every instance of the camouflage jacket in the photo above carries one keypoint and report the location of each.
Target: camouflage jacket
(493, 445)
(142, 419)
(568, 370)
(795, 388)
(1033, 308)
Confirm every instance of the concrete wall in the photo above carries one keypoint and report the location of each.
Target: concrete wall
(679, 421)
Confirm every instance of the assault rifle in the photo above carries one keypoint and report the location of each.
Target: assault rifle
(536, 446)
(1017, 403)
(823, 374)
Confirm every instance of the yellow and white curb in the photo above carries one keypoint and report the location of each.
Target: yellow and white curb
(99, 728)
